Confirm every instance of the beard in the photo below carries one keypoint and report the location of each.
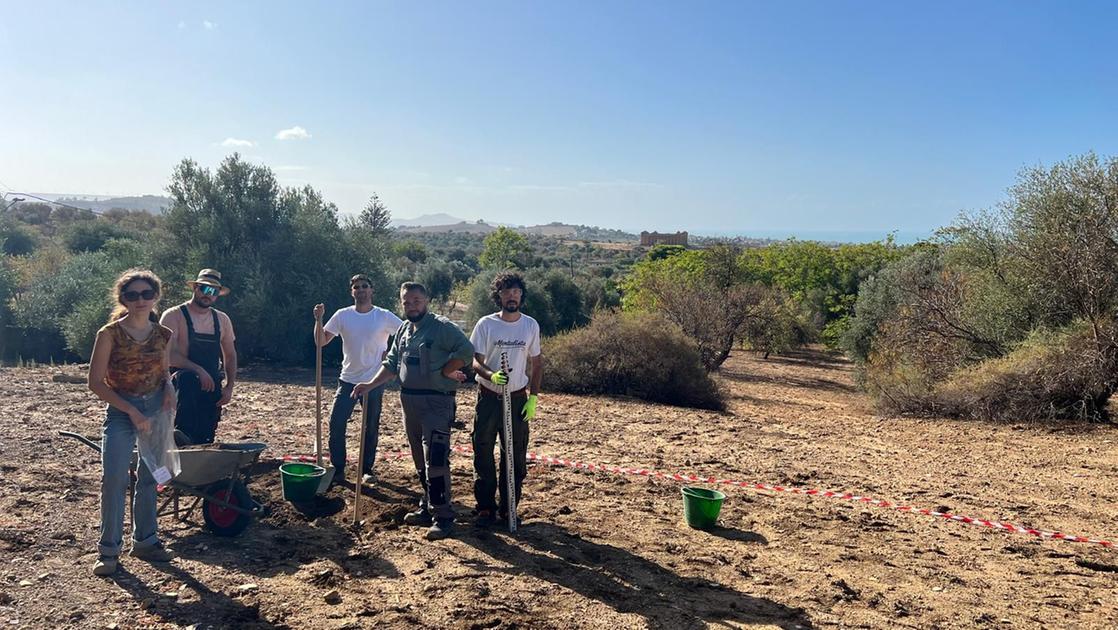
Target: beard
(418, 316)
(510, 307)
(197, 301)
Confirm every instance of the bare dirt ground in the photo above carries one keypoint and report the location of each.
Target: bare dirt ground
(595, 550)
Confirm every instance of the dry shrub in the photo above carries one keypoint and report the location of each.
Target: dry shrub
(1065, 375)
(631, 354)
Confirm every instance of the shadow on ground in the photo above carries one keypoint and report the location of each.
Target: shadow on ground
(626, 582)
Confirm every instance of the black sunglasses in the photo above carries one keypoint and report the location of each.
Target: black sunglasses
(361, 286)
(132, 296)
(208, 290)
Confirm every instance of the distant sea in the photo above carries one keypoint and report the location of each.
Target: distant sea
(902, 237)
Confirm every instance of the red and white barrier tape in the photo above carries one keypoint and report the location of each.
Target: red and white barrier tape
(830, 494)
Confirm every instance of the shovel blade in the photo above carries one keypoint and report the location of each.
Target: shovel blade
(324, 481)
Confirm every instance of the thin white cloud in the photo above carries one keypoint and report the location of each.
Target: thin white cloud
(237, 142)
(621, 184)
(461, 180)
(538, 188)
(209, 26)
(294, 133)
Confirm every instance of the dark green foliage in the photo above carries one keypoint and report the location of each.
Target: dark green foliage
(16, 239)
(411, 249)
(552, 299)
(600, 294)
(506, 248)
(90, 236)
(280, 250)
(375, 217)
(660, 252)
(630, 354)
(439, 279)
(75, 300)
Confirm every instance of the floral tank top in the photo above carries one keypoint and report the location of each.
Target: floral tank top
(136, 367)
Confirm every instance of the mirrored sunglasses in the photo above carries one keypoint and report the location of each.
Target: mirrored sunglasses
(132, 296)
(206, 289)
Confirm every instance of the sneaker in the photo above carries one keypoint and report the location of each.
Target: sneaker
(105, 565)
(440, 529)
(484, 518)
(155, 552)
(369, 479)
(418, 517)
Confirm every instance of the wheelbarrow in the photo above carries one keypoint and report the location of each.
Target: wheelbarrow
(215, 475)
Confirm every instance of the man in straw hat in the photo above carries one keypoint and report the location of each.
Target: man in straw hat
(203, 348)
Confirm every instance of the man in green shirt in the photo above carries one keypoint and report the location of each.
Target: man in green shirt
(427, 354)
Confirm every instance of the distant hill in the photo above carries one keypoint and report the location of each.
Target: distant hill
(464, 227)
(555, 230)
(428, 220)
(154, 204)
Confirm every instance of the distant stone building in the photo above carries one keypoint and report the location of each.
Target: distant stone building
(649, 239)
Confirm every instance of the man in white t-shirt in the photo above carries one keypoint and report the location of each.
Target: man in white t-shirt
(517, 335)
(364, 330)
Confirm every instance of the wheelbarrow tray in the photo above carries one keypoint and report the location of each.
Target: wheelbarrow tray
(205, 464)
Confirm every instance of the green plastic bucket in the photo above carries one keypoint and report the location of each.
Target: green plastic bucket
(701, 506)
(300, 481)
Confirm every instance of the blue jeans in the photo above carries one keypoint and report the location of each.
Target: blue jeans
(117, 443)
(339, 416)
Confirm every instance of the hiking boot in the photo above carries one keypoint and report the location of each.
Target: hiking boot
(484, 518)
(418, 517)
(154, 552)
(105, 565)
(441, 529)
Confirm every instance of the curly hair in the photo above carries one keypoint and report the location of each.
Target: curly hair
(506, 280)
(116, 295)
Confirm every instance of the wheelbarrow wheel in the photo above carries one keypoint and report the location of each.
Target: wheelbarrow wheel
(220, 519)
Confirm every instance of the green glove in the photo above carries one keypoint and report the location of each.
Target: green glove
(499, 378)
(529, 410)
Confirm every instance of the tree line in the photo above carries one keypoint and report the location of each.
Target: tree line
(1009, 312)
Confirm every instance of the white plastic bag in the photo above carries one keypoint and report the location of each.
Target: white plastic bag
(157, 447)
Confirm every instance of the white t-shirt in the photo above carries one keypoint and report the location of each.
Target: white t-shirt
(520, 339)
(364, 338)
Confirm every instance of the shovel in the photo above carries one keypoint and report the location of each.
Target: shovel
(324, 482)
(359, 484)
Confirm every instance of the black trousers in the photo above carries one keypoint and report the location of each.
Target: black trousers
(489, 424)
(197, 413)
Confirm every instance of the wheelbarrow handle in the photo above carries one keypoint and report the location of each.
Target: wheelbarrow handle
(81, 438)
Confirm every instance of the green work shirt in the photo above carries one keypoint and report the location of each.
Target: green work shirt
(418, 355)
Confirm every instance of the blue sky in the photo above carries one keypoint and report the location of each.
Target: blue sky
(735, 117)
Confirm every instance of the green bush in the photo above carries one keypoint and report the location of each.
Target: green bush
(90, 236)
(631, 354)
(73, 299)
(552, 299)
(17, 239)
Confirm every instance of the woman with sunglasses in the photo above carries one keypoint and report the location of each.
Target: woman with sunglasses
(130, 371)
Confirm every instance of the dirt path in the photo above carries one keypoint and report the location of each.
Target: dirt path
(596, 550)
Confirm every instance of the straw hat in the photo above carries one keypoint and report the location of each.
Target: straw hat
(211, 278)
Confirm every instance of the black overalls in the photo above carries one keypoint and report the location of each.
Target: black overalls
(198, 413)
